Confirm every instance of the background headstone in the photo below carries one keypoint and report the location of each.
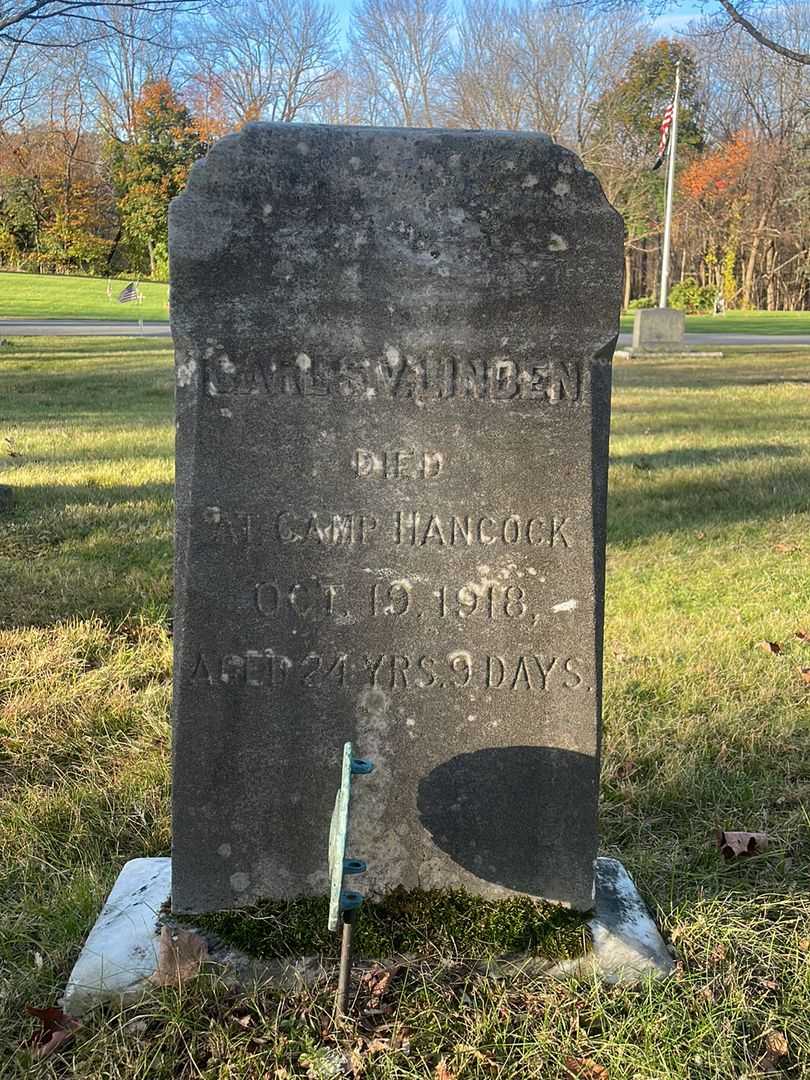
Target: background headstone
(393, 376)
(658, 330)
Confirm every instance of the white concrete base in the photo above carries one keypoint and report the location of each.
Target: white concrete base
(627, 946)
(121, 953)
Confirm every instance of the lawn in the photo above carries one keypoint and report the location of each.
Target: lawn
(57, 297)
(54, 296)
(709, 556)
(741, 322)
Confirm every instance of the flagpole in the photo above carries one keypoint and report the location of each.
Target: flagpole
(673, 139)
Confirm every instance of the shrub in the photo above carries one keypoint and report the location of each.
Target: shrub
(692, 298)
(641, 302)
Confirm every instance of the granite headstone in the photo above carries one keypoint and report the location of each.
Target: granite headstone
(393, 355)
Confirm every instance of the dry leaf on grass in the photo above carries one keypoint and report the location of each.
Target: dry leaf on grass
(443, 1071)
(776, 1048)
(785, 549)
(628, 768)
(772, 647)
(57, 1028)
(802, 635)
(180, 956)
(805, 675)
(378, 1046)
(586, 1069)
(378, 981)
(776, 1044)
(736, 845)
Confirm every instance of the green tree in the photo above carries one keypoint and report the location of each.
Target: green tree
(150, 170)
(632, 110)
(628, 119)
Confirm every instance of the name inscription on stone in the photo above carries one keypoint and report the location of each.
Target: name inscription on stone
(390, 492)
(393, 376)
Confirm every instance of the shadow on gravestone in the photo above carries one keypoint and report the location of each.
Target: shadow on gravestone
(509, 815)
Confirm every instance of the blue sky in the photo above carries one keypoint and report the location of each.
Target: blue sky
(670, 21)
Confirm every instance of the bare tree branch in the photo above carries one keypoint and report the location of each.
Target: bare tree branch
(757, 35)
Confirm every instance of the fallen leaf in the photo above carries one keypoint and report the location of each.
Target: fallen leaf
(735, 845)
(586, 1069)
(802, 635)
(443, 1072)
(784, 549)
(804, 944)
(776, 1044)
(180, 956)
(628, 768)
(57, 1028)
(378, 1046)
(378, 980)
(776, 1048)
(772, 647)
(805, 674)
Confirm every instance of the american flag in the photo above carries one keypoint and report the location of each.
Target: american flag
(129, 293)
(666, 124)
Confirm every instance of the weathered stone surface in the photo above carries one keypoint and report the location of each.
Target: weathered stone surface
(627, 945)
(121, 951)
(393, 375)
(658, 330)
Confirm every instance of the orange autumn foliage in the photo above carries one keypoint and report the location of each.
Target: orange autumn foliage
(715, 174)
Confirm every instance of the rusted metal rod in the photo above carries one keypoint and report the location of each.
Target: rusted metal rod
(345, 976)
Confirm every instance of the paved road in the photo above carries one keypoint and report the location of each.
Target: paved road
(108, 328)
(82, 328)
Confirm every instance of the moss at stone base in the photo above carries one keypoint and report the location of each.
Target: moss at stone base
(448, 922)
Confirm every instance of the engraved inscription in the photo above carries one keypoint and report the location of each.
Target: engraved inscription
(419, 529)
(351, 528)
(456, 670)
(396, 376)
(401, 598)
(409, 528)
(398, 464)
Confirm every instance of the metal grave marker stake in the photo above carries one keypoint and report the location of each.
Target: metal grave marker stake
(343, 903)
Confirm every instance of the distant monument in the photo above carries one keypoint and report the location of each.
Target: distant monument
(658, 330)
(393, 382)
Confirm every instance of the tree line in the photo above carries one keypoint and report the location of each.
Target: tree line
(99, 128)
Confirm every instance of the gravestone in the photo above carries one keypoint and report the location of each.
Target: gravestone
(657, 330)
(393, 353)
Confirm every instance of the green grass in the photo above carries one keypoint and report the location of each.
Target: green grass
(58, 297)
(742, 322)
(55, 296)
(709, 551)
